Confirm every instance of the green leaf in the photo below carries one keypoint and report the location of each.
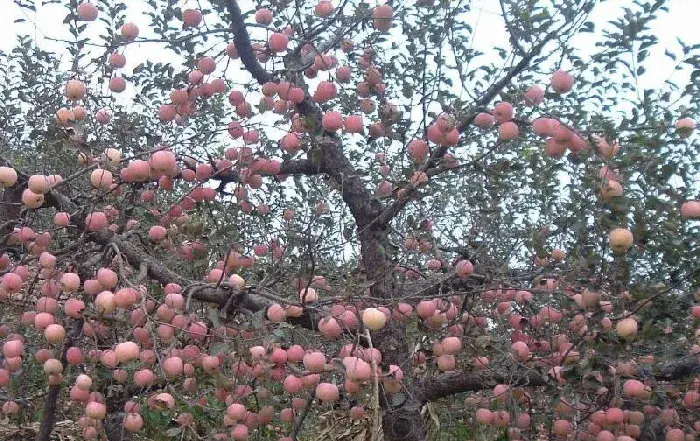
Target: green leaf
(213, 314)
(258, 319)
(280, 333)
(173, 431)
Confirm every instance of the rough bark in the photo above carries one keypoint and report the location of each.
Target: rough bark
(49, 413)
(10, 208)
(441, 386)
(287, 168)
(445, 385)
(51, 401)
(245, 49)
(653, 430)
(686, 367)
(114, 427)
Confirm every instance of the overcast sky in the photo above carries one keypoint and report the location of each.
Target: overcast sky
(681, 22)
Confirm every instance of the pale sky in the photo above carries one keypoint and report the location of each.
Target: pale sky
(485, 17)
(681, 22)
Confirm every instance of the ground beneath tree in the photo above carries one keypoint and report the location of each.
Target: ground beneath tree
(329, 426)
(338, 426)
(12, 431)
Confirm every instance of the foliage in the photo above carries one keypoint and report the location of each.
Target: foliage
(252, 226)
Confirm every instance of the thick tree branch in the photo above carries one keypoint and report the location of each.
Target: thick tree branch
(10, 202)
(10, 208)
(245, 49)
(332, 160)
(652, 430)
(686, 367)
(291, 167)
(136, 257)
(299, 167)
(363, 207)
(509, 27)
(444, 385)
(51, 401)
(392, 210)
(328, 153)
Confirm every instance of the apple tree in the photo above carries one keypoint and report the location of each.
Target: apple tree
(283, 220)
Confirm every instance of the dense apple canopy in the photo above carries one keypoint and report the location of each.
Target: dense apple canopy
(343, 220)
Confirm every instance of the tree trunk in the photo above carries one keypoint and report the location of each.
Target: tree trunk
(10, 208)
(51, 401)
(114, 427)
(402, 422)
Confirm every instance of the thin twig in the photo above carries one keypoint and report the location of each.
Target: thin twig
(375, 392)
(302, 417)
